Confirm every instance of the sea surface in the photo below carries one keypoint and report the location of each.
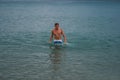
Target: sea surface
(93, 34)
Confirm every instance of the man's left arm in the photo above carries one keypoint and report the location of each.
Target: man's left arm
(62, 32)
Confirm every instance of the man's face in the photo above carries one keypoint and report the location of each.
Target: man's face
(56, 26)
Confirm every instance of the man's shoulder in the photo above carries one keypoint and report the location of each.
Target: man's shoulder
(61, 29)
(54, 30)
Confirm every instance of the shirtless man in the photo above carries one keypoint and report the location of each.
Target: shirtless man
(57, 33)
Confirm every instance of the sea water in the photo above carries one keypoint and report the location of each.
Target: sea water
(93, 34)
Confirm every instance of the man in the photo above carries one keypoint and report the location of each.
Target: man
(57, 33)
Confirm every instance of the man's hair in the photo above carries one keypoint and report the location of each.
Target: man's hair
(56, 24)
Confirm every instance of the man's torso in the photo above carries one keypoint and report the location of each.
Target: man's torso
(57, 34)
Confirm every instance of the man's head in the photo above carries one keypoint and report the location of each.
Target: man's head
(56, 25)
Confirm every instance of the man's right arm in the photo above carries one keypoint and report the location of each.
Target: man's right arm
(51, 37)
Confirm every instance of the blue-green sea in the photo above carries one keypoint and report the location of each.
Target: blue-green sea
(93, 34)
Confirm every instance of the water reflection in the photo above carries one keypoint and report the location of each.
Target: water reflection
(57, 61)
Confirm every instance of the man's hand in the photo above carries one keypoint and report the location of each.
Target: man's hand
(65, 42)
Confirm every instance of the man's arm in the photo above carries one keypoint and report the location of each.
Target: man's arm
(51, 37)
(62, 32)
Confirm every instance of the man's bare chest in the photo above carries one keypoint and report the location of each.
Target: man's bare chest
(57, 32)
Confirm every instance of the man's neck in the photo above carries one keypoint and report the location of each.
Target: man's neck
(57, 29)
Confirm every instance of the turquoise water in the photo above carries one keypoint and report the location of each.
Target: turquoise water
(93, 34)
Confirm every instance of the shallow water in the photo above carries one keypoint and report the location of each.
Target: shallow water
(92, 31)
